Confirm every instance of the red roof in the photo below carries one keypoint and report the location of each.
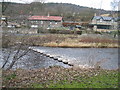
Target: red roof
(56, 18)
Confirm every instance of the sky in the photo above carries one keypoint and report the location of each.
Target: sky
(99, 4)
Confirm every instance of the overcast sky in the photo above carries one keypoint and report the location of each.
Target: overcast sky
(103, 4)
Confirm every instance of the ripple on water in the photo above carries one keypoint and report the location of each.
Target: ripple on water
(86, 56)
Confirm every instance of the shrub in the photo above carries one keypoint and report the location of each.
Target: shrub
(97, 40)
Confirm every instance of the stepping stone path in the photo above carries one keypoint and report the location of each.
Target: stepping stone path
(61, 59)
(58, 58)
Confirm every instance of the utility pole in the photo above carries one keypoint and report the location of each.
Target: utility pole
(100, 7)
(4, 7)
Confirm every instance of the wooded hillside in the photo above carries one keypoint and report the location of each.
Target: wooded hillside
(68, 11)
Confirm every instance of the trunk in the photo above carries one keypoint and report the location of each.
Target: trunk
(11, 65)
(6, 60)
(4, 64)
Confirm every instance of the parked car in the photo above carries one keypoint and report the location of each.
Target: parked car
(10, 26)
(34, 26)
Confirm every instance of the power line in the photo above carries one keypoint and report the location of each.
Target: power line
(100, 6)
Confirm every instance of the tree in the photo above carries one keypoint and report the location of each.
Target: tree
(114, 4)
(20, 49)
(37, 7)
(42, 1)
(5, 5)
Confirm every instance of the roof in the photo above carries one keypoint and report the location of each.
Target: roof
(107, 18)
(97, 17)
(104, 18)
(55, 18)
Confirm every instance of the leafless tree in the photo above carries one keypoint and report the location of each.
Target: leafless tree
(19, 50)
(114, 4)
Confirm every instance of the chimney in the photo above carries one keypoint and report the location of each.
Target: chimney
(95, 14)
(48, 14)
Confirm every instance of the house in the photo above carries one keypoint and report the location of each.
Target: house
(104, 23)
(3, 21)
(45, 21)
(73, 25)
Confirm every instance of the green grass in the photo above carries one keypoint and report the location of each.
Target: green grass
(12, 76)
(93, 82)
(35, 85)
(102, 80)
(62, 78)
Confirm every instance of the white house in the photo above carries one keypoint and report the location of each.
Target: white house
(104, 23)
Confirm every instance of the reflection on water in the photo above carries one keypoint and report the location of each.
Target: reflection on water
(77, 56)
(85, 56)
(33, 60)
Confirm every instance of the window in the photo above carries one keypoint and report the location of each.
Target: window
(112, 20)
(101, 20)
(41, 22)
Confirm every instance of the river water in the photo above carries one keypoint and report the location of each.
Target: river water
(108, 57)
(32, 60)
(77, 56)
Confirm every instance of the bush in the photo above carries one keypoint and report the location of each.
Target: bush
(53, 31)
(79, 32)
(7, 40)
(97, 40)
(96, 32)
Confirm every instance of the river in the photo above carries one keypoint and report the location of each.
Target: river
(85, 56)
(77, 56)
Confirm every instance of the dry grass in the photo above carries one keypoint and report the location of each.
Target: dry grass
(86, 42)
(97, 40)
(81, 45)
(61, 40)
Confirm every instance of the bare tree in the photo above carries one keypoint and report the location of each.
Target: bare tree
(19, 50)
(5, 5)
(114, 4)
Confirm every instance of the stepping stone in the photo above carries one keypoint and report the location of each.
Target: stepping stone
(51, 56)
(70, 64)
(55, 58)
(47, 55)
(65, 61)
(60, 59)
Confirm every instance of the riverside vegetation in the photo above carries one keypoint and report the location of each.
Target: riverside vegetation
(62, 40)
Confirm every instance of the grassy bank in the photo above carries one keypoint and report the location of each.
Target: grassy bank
(65, 44)
(62, 40)
(84, 41)
(59, 77)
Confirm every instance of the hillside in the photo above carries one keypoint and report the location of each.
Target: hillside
(68, 11)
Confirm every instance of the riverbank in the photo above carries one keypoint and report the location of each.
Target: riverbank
(59, 77)
(80, 45)
(62, 40)
(85, 41)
